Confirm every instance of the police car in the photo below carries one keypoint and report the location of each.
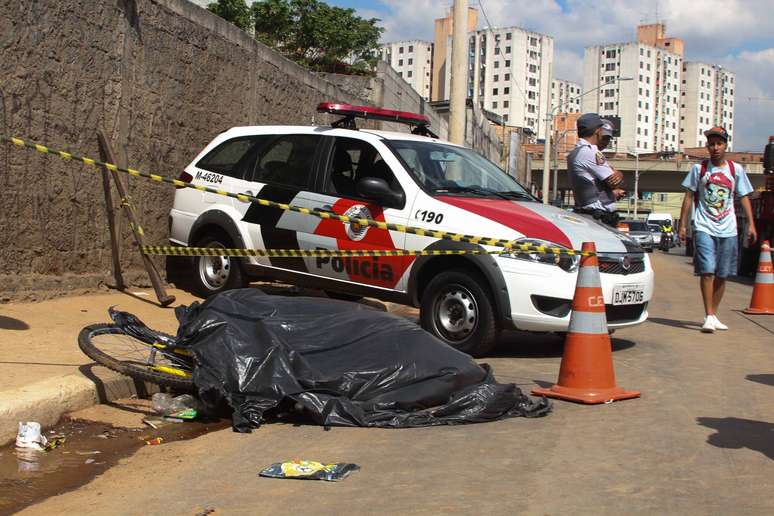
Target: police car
(412, 179)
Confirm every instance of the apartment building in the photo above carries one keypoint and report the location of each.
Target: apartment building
(707, 100)
(444, 28)
(509, 74)
(565, 96)
(640, 83)
(413, 60)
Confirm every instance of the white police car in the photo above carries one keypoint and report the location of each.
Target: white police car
(401, 178)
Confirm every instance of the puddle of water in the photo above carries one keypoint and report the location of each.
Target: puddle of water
(29, 476)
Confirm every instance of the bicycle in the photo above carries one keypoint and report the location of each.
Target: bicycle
(129, 347)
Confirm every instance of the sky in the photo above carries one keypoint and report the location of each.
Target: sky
(733, 33)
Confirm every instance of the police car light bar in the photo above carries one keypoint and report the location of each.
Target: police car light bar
(350, 112)
(368, 112)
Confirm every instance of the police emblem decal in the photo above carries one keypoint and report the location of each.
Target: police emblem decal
(601, 159)
(357, 232)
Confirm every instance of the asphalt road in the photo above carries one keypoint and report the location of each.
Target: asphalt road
(699, 441)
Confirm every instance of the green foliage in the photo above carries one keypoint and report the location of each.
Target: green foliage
(235, 11)
(318, 35)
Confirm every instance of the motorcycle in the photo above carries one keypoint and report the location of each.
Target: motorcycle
(667, 239)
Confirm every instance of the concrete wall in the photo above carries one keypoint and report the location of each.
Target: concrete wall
(161, 77)
(481, 135)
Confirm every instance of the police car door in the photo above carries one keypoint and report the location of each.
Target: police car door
(284, 172)
(348, 160)
(227, 167)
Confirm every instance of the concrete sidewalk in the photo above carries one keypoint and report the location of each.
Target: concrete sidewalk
(44, 374)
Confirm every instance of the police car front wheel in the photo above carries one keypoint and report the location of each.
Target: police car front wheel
(456, 309)
(214, 274)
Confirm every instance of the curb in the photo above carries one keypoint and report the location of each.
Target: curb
(46, 401)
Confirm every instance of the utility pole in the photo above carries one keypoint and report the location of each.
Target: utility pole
(636, 180)
(459, 73)
(547, 143)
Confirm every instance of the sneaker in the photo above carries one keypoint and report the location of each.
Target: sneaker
(718, 325)
(709, 325)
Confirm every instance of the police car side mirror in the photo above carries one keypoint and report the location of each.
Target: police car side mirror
(373, 188)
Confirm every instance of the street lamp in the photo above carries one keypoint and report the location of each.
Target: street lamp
(636, 154)
(547, 132)
(555, 189)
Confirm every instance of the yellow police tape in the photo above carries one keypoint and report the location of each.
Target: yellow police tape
(304, 253)
(456, 237)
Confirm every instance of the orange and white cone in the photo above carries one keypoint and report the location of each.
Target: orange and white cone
(762, 301)
(586, 374)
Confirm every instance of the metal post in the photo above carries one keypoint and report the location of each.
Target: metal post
(556, 167)
(459, 73)
(547, 145)
(636, 180)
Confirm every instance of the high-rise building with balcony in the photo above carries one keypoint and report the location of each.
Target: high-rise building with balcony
(509, 74)
(413, 60)
(444, 27)
(707, 100)
(565, 96)
(640, 82)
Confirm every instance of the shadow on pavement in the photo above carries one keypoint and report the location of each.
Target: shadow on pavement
(736, 433)
(547, 345)
(9, 323)
(687, 325)
(140, 389)
(742, 280)
(765, 379)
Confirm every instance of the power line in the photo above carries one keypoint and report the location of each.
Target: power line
(483, 11)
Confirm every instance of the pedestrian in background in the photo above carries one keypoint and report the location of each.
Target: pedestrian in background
(710, 189)
(596, 185)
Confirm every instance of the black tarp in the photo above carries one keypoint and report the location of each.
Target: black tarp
(344, 364)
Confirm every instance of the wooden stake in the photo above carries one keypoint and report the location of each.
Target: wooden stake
(161, 294)
(110, 209)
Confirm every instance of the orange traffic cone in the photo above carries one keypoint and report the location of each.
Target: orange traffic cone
(762, 301)
(586, 374)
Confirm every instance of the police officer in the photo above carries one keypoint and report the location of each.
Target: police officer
(596, 185)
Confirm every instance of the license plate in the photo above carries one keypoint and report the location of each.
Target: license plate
(628, 294)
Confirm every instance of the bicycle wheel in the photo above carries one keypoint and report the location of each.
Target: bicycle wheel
(110, 346)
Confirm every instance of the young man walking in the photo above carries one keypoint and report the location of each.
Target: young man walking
(711, 186)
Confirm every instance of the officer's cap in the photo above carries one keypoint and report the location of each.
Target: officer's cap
(589, 121)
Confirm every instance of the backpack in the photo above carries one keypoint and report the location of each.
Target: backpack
(703, 171)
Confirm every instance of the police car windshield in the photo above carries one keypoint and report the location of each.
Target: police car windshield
(449, 170)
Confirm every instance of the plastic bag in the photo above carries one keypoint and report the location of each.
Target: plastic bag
(309, 470)
(184, 406)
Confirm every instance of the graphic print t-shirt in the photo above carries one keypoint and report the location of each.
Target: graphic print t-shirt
(715, 211)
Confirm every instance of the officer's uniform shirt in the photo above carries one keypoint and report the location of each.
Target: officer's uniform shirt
(588, 170)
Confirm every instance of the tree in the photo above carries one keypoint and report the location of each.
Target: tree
(235, 11)
(316, 34)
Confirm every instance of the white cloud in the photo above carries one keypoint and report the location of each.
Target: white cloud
(754, 97)
(715, 31)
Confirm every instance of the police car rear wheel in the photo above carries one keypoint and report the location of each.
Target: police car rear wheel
(456, 309)
(215, 274)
